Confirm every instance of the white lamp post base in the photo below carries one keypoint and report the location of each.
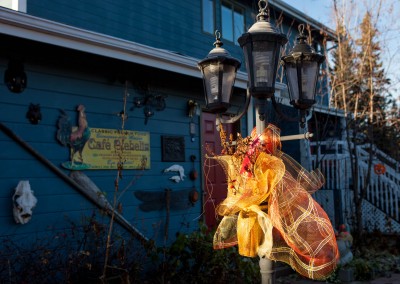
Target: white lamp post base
(267, 271)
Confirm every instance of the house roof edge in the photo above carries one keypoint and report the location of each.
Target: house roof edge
(29, 27)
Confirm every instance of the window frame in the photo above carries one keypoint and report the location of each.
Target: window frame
(234, 7)
(213, 17)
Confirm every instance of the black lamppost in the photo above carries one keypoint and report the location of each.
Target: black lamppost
(261, 47)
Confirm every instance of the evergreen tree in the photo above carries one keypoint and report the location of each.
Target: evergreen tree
(359, 87)
(372, 102)
(343, 72)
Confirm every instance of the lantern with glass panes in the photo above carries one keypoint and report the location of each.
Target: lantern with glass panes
(219, 72)
(261, 46)
(301, 68)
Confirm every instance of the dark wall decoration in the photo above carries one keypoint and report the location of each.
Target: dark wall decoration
(173, 148)
(15, 77)
(33, 114)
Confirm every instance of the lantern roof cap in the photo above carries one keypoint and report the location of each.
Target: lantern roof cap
(220, 53)
(263, 24)
(303, 49)
(218, 50)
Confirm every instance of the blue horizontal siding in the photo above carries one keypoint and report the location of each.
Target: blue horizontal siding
(56, 88)
(169, 25)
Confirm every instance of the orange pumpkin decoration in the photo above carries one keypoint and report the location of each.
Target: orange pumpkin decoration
(379, 169)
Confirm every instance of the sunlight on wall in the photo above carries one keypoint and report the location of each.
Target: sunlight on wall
(17, 5)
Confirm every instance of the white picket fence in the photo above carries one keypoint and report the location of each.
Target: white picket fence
(383, 191)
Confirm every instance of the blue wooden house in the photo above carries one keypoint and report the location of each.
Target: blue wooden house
(122, 78)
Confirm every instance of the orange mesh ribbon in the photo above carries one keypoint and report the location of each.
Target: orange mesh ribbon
(269, 210)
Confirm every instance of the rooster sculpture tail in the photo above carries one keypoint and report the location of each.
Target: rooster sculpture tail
(64, 128)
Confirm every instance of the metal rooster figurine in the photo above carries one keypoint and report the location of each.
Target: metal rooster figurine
(74, 137)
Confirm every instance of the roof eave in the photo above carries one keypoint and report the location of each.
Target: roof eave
(41, 30)
(301, 17)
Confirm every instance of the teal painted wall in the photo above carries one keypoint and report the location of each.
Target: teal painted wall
(64, 85)
(171, 25)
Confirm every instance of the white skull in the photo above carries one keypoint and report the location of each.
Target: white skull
(23, 202)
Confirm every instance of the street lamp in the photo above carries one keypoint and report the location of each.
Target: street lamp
(261, 46)
(301, 68)
(219, 72)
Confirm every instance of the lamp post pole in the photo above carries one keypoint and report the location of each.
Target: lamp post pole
(266, 265)
(267, 271)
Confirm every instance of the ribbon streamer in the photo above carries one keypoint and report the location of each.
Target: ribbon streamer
(269, 210)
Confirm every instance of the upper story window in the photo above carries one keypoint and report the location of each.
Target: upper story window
(208, 16)
(232, 19)
(17, 5)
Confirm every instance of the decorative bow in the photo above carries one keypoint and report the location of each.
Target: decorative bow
(269, 210)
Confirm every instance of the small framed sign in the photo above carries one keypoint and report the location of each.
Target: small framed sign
(173, 148)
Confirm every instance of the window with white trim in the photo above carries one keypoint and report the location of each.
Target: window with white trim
(17, 5)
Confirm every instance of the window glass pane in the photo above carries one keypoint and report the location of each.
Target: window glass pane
(208, 16)
(238, 20)
(227, 24)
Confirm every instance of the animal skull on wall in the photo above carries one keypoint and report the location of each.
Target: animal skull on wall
(176, 168)
(23, 202)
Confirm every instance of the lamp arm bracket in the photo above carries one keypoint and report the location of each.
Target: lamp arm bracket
(238, 116)
(280, 112)
(306, 136)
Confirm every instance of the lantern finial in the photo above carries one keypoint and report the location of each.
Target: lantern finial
(263, 14)
(301, 29)
(301, 38)
(218, 42)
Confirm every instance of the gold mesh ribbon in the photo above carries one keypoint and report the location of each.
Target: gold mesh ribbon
(245, 195)
(269, 210)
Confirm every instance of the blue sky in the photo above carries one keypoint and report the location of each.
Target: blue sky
(388, 25)
(321, 10)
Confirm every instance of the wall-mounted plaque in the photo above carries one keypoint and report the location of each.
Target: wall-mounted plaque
(105, 148)
(173, 148)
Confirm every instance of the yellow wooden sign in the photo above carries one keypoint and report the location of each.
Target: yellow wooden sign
(106, 148)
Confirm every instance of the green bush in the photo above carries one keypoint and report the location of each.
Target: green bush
(192, 259)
